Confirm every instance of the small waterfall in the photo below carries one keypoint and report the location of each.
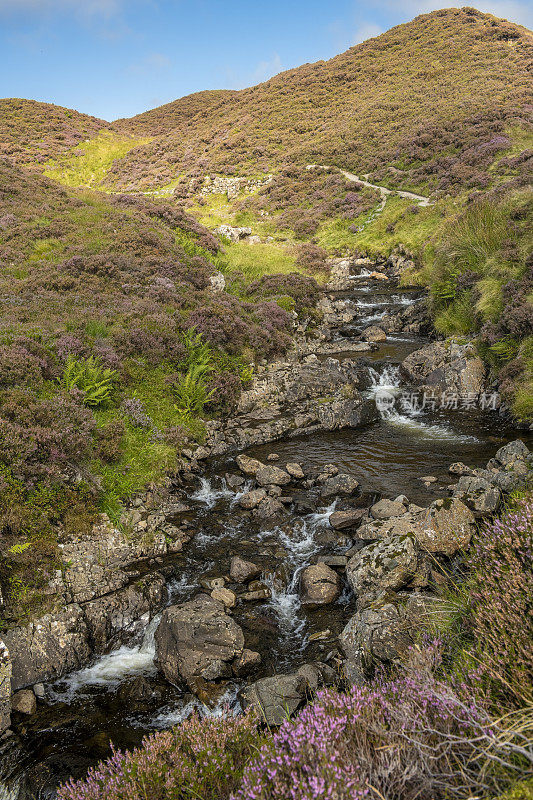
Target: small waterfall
(110, 669)
(174, 714)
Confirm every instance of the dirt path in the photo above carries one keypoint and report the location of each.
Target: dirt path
(421, 200)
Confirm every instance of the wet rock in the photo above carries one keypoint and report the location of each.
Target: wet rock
(385, 509)
(319, 585)
(47, 649)
(137, 690)
(24, 702)
(478, 494)
(514, 456)
(445, 527)
(5, 688)
(333, 561)
(295, 471)
(225, 596)
(275, 697)
(234, 481)
(328, 471)
(428, 479)
(274, 491)
(270, 474)
(317, 674)
(448, 367)
(246, 663)
(256, 595)
(383, 631)
(242, 571)
(341, 484)
(39, 691)
(252, 499)
(273, 457)
(249, 466)
(374, 334)
(459, 469)
(388, 564)
(197, 641)
(212, 583)
(269, 508)
(350, 518)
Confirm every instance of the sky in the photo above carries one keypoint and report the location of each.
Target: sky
(117, 58)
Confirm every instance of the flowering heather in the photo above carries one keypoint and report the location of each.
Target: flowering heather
(408, 738)
(198, 759)
(133, 410)
(502, 604)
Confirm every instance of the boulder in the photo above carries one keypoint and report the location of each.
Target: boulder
(385, 509)
(447, 367)
(514, 456)
(478, 494)
(251, 500)
(374, 334)
(319, 585)
(445, 527)
(242, 571)
(295, 471)
(350, 518)
(197, 641)
(24, 702)
(246, 663)
(268, 508)
(217, 282)
(459, 469)
(249, 466)
(383, 631)
(317, 674)
(269, 474)
(225, 596)
(341, 484)
(388, 564)
(276, 697)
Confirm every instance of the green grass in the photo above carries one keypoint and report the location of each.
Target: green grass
(88, 163)
(257, 260)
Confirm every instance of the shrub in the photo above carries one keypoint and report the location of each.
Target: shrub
(89, 377)
(225, 390)
(18, 367)
(133, 410)
(500, 621)
(109, 440)
(411, 737)
(198, 759)
(192, 393)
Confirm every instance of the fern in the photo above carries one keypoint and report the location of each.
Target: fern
(17, 549)
(90, 377)
(191, 393)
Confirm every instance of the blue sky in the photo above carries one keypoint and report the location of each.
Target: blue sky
(115, 58)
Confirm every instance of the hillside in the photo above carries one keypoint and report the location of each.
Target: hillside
(32, 132)
(111, 343)
(426, 105)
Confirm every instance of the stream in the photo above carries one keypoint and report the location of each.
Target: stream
(121, 697)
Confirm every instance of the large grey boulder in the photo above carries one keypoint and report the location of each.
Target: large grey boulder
(383, 631)
(341, 484)
(242, 571)
(269, 474)
(387, 564)
(447, 367)
(385, 509)
(276, 697)
(446, 527)
(249, 466)
(197, 641)
(349, 518)
(252, 499)
(514, 456)
(319, 585)
(478, 494)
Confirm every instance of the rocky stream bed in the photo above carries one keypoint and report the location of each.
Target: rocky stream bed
(254, 577)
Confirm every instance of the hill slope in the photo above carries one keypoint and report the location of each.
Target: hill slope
(32, 132)
(412, 106)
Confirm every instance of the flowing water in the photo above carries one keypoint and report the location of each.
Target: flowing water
(121, 697)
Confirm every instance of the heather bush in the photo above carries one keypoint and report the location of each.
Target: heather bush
(41, 437)
(109, 440)
(500, 615)
(133, 409)
(224, 391)
(410, 737)
(197, 759)
(303, 290)
(19, 367)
